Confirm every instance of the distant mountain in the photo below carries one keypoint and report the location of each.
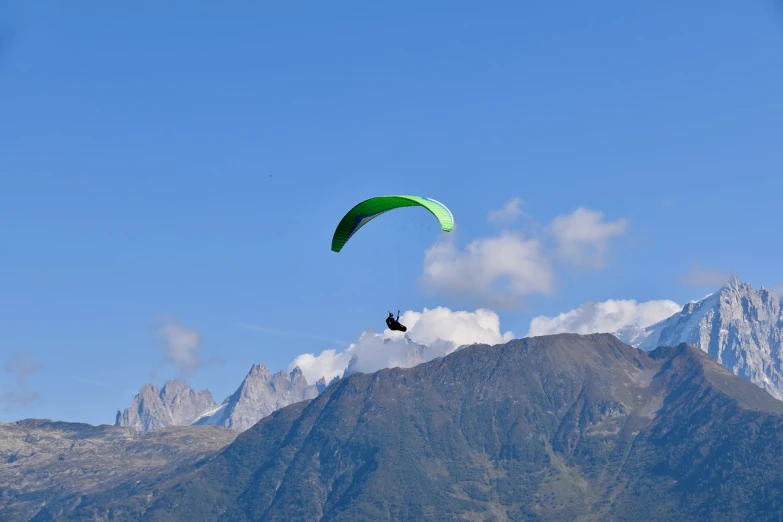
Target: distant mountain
(562, 427)
(45, 466)
(177, 404)
(738, 326)
(260, 394)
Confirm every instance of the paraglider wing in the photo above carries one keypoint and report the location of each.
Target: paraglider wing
(371, 208)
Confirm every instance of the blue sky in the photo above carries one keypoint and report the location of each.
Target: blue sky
(189, 163)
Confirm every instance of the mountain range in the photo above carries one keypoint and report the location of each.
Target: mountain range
(561, 427)
(738, 326)
(177, 404)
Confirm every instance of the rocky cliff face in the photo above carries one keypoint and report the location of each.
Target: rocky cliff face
(260, 394)
(176, 404)
(738, 326)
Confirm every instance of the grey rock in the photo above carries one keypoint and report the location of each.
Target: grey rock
(176, 404)
(48, 466)
(738, 326)
(260, 394)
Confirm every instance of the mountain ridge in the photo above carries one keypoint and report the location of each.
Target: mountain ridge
(552, 427)
(761, 365)
(177, 404)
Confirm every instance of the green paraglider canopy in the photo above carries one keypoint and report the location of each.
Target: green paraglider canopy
(371, 208)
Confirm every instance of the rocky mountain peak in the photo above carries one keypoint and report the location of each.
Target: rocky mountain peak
(260, 394)
(176, 404)
(174, 388)
(148, 390)
(260, 371)
(740, 327)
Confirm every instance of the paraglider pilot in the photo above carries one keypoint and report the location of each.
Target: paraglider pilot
(394, 324)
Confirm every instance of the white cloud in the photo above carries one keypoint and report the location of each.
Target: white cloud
(181, 345)
(498, 270)
(457, 327)
(605, 317)
(705, 277)
(508, 213)
(328, 364)
(441, 330)
(582, 237)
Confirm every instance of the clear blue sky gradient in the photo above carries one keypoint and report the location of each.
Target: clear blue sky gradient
(193, 159)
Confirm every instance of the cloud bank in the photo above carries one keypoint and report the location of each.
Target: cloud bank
(431, 333)
(440, 331)
(605, 317)
(499, 271)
